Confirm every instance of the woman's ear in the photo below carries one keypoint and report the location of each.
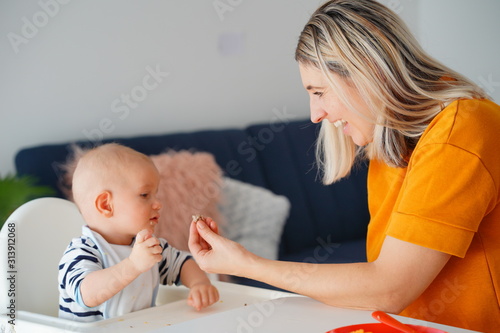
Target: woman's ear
(103, 204)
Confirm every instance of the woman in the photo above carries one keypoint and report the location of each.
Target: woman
(432, 140)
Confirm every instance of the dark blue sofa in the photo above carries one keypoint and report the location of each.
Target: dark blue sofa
(326, 223)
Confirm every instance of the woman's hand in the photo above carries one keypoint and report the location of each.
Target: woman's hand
(214, 253)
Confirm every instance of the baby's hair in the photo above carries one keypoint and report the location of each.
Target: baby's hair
(99, 166)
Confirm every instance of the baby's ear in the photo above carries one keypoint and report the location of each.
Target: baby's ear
(103, 204)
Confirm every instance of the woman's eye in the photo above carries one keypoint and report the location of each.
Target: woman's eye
(318, 93)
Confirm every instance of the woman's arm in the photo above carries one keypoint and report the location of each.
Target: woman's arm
(400, 274)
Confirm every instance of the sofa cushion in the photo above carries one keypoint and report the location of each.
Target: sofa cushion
(190, 184)
(254, 217)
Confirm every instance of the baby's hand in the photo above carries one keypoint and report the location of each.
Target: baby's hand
(202, 294)
(146, 251)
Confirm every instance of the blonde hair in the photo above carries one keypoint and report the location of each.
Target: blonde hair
(368, 46)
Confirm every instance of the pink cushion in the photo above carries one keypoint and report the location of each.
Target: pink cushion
(190, 184)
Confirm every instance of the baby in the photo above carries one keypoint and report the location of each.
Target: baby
(116, 266)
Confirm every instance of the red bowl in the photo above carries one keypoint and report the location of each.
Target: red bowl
(382, 328)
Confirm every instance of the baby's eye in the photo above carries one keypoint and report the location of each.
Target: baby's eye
(144, 195)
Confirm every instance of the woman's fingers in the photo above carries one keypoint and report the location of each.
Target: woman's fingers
(194, 242)
(207, 233)
(212, 252)
(212, 224)
(202, 238)
(214, 227)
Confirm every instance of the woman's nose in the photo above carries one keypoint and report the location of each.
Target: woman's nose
(317, 113)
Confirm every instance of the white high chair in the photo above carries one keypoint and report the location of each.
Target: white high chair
(43, 229)
(40, 231)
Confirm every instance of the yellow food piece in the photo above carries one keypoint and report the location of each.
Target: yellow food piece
(360, 331)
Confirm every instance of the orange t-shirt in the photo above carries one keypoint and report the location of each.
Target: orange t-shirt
(447, 199)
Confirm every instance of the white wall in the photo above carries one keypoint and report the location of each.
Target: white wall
(70, 74)
(464, 35)
(67, 67)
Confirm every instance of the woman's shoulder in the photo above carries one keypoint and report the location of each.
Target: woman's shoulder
(464, 130)
(475, 110)
(467, 123)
